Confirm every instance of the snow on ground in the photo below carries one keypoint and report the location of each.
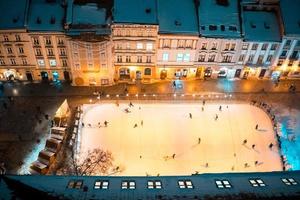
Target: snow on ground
(167, 129)
(289, 130)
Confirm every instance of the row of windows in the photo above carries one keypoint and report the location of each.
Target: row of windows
(139, 59)
(9, 50)
(214, 46)
(180, 57)
(139, 33)
(17, 38)
(48, 41)
(291, 63)
(245, 46)
(52, 62)
(139, 45)
(166, 43)
(182, 184)
(50, 52)
(89, 65)
(12, 61)
(259, 60)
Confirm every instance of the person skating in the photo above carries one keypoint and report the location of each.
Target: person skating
(131, 104)
(244, 142)
(253, 146)
(127, 110)
(256, 127)
(142, 123)
(271, 145)
(256, 163)
(82, 124)
(105, 123)
(173, 156)
(216, 117)
(202, 108)
(203, 102)
(135, 126)
(191, 116)
(199, 140)
(206, 165)
(220, 108)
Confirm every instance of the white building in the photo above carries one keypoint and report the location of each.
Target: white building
(220, 39)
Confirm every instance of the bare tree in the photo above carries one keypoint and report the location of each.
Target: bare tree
(95, 162)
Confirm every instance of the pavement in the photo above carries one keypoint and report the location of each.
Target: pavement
(163, 87)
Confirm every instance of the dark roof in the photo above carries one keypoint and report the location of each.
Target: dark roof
(204, 186)
(290, 16)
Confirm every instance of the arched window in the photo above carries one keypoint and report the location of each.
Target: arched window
(147, 71)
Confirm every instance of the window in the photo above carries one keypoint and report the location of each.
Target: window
(294, 55)
(288, 43)
(179, 57)
(289, 181)
(154, 185)
(62, 52)
(211, 58)
(254, 46)
(274, 47)
(50, 52)
(223, 184)
(233, 28)
(2, 62)
(88, 47)
(21, 50)
(291, 62)
(149, 46)
(18, 38)
(201, 58)
(24, 61)
(36, 41)
(13, 61)
(180, 44)
(119, 59)
(52, 62)
(269, 58)
(212, 27)
(101, 185)
(214, 46)
(9, 50)
(128, 185)
(227, 45)
(188, 44)
(245, 46)
(5, 37)
(119, 46)
(104, 66)
(147, 71)
(127, 45)
(227, 58)
(232, 48)
(60, 41)
(166, 43)
(41, 62)
(128, 59)
(283, 54)
(257, 183)
(64, 62)
(77, 66)
(76, 55)
(280, 62)
(165, 56)
(48, 40)
(90, 66)
(264, 47)
(241, 58)
(250, 59)
(186, 57)
(102, 55)
(89, 55)
(75, 46)
(204, 46)
(260, 59)
(139, 45)
(183, 184)
(148, 60)
(75, 184)
(139, 59)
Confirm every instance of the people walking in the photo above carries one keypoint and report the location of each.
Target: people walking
(256, 127)
(199, 140)
(220, 108)
(253, 146)
(244, 142)
(173, 156)
(191, 116)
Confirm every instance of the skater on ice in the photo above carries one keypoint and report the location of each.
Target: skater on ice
(244, 142)
(199, 140)
(216, 117)
(127, 110)
(220, 108)
(142, 122)
(203, 102)
(253, 146)
(202, 108)
(173, 156)
(135, 126)
(191, 116)
(256, 127)
(131, 104)
(105, 123)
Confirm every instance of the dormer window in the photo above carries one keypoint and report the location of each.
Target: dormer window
(222, 27)
(38, 20)
(266, 25)
(252, 25)
(232, 28)
(212, 27)
(52, 20)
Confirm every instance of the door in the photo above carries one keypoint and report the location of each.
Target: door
(237, 73)
(138, 75)
(124, 73)
(29, 76)
(67, 76)
(163, 74)
(262, 73)
(44, 76)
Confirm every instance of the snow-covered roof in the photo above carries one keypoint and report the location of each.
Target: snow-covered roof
(216, 20)
(260, 26)
(13, 14)
(135, 11)
(87, 17)
(177, 16)
(290, 16)
(45, 15)
(268, 185)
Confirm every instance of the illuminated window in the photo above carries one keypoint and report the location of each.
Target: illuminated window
(139, 45)
(165, 56)
(179, 57)
(186, 57)
(75, 184)
(257, 183)
(185, 184)
(289, 181)
(223, 184)
(52, 62)
(154, 185)
(128, 185)
(101, 185)
(41, 62)
(149, 46)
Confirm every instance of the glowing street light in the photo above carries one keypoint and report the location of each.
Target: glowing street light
(174, 95)
(144, 95)
(107, 95)
(127, 95)
(117, 96)
(193, 95)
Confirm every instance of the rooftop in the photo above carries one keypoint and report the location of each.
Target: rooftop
(290, 16)
(46, 15)
(177, 16)
(12, 16)
(87, 17)
(219, 18)
(260, 26)
(135, 11)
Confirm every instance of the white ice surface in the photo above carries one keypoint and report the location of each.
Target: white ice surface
(168, 130)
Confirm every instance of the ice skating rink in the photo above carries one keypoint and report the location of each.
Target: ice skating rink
(168, 129)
